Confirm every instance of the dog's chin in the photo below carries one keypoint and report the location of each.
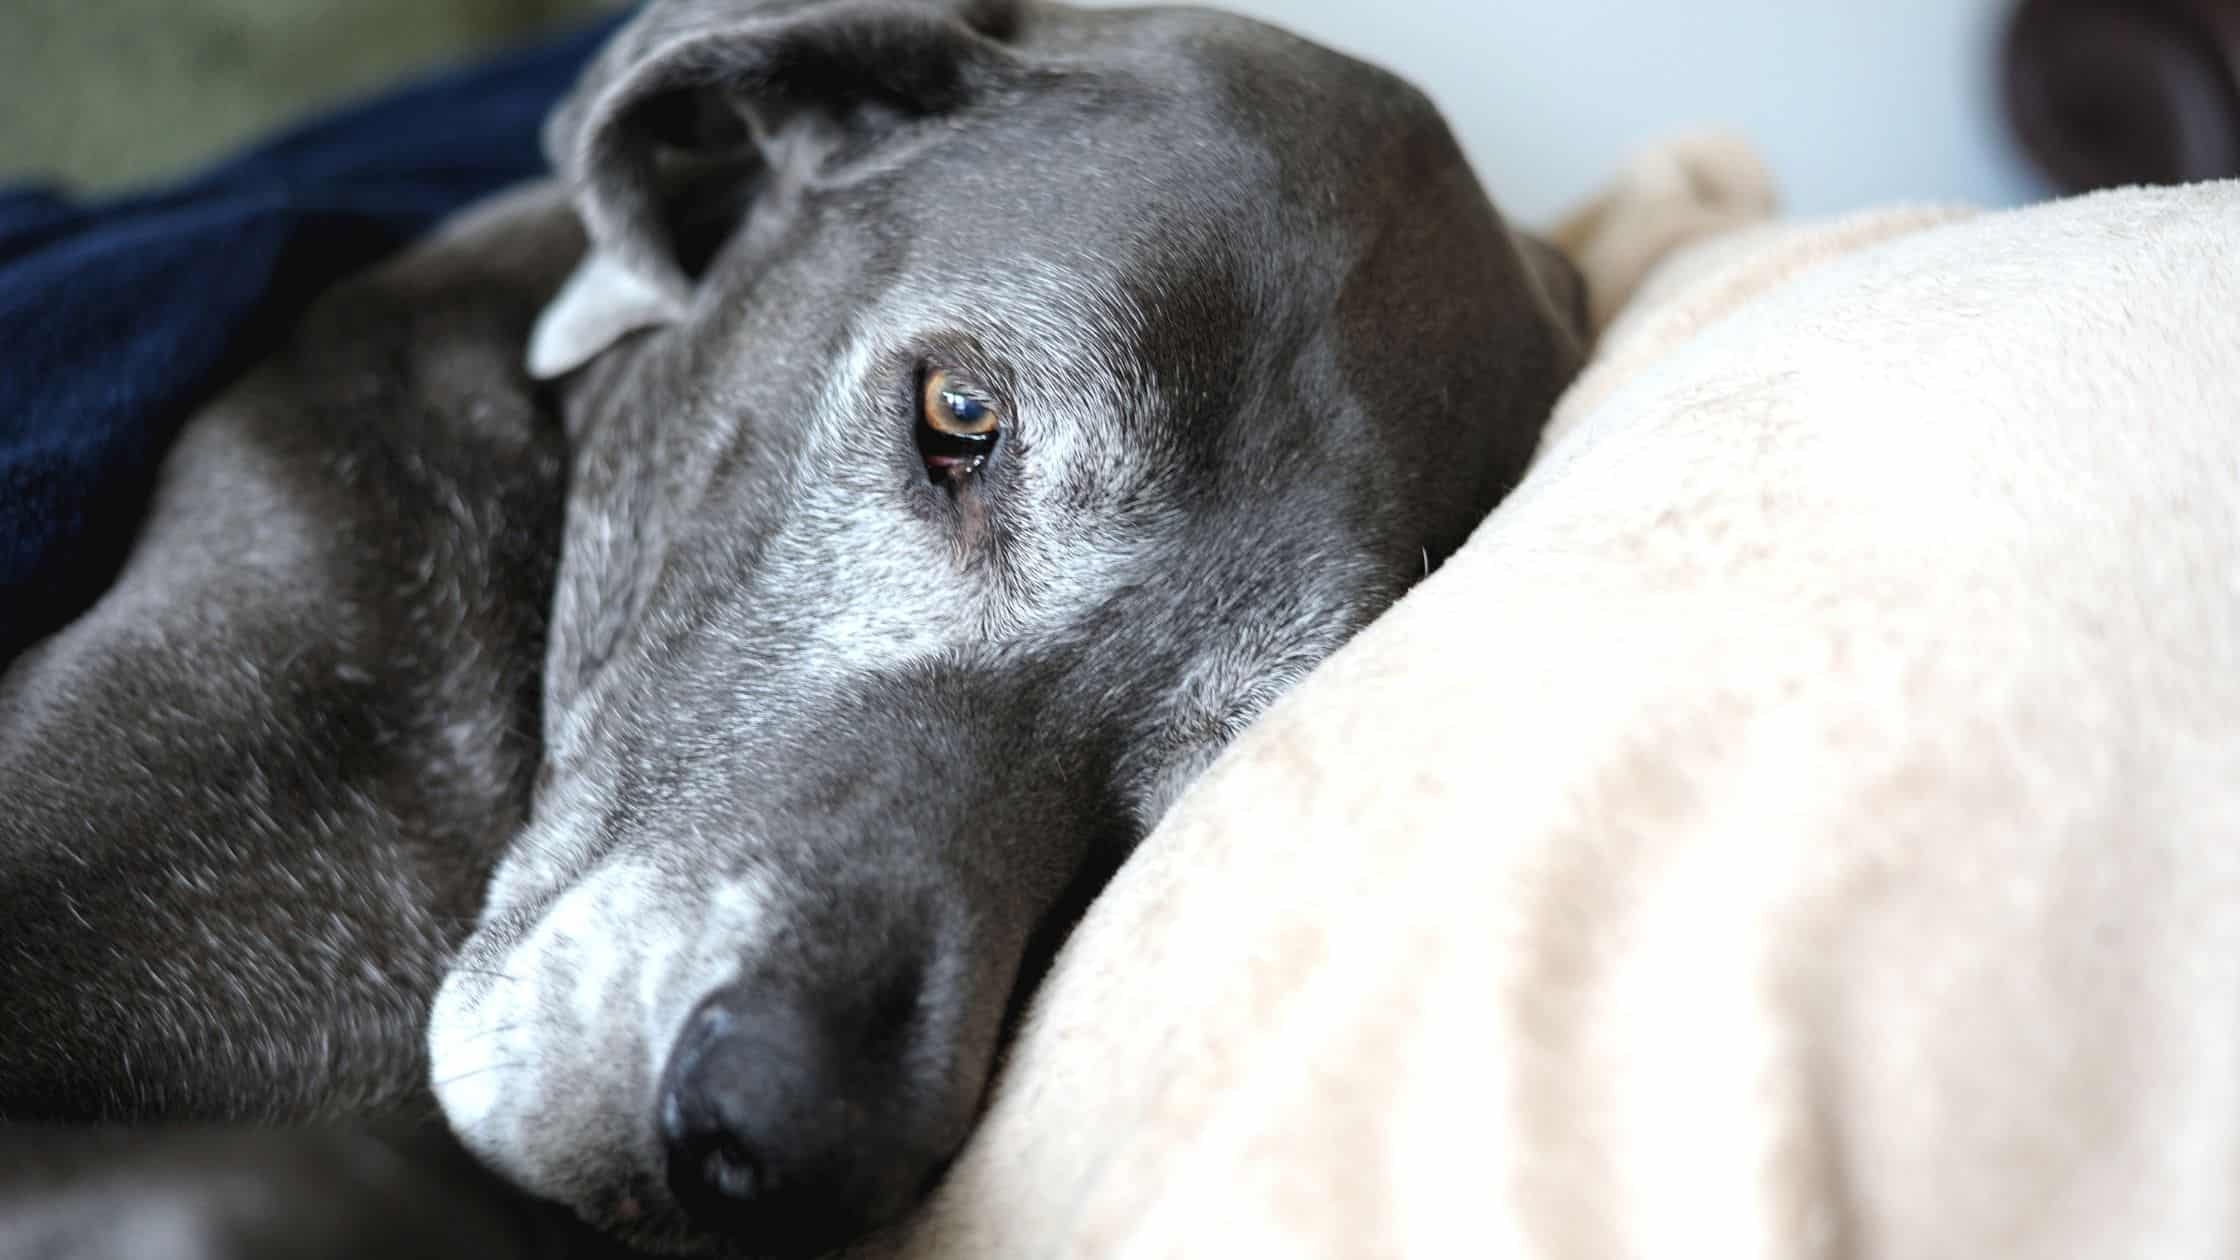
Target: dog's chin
(545, 1039)
(537, 1128)
(666, 1232)
(549, 1037)
(537, 1132)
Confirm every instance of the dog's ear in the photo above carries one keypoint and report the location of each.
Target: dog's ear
(669, 122)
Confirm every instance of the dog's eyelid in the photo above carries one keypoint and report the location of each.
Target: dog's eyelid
(961, 359)
(953, 401)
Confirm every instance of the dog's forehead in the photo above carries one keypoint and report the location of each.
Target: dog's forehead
(1164, 113)
(1174, 159)
(1142, 190)
(1201, 79)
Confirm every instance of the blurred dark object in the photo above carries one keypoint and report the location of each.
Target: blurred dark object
(397, 1191)
(257, 1194)
(2104, 93)
(119, 317)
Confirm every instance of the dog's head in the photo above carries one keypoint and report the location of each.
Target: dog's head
(981, 412)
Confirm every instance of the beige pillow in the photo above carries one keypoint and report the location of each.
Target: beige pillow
(1805, 820)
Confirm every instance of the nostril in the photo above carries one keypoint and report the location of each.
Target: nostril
(707, 1117)
(796, 1116)
(706, 1156)
(711, 1168)
(731, 1172)
(767, 1139)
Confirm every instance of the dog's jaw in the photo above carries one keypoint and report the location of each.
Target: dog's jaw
(548, 1036)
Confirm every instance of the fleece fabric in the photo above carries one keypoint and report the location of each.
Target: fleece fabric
(119, 317)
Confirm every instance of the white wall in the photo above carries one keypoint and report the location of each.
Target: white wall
(1854, 102)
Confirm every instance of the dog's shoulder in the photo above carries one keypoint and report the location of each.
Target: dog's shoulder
(387, 451)
(445, 322)
(276, 756)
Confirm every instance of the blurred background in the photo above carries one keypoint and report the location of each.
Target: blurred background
(1854, 101)
(103, 94)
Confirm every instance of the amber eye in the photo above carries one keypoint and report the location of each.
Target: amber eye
(955, 409)
(956, 425)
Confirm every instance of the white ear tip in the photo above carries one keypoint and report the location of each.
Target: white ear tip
(599, 305)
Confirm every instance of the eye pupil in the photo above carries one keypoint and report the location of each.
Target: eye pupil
(964, 408)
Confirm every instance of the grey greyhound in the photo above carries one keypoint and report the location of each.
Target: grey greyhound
(656, 670)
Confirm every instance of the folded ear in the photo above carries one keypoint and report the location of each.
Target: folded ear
(673, 117)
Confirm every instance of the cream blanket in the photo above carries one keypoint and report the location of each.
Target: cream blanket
(1804, 821)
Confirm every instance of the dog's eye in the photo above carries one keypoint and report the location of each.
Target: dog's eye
(954, 409)
(957, 425)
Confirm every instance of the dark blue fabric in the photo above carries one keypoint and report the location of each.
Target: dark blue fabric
(119, 317)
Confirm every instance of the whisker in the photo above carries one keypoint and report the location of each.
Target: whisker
(484, 1034)
(488, 1067)
(485, 971)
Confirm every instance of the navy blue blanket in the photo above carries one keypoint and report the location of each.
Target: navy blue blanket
(118, 318)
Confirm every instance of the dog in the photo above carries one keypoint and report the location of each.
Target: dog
(658, 668)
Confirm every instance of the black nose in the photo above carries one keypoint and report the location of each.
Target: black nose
(788, 1127)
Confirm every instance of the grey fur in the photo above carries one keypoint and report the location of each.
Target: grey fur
(811, 725)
